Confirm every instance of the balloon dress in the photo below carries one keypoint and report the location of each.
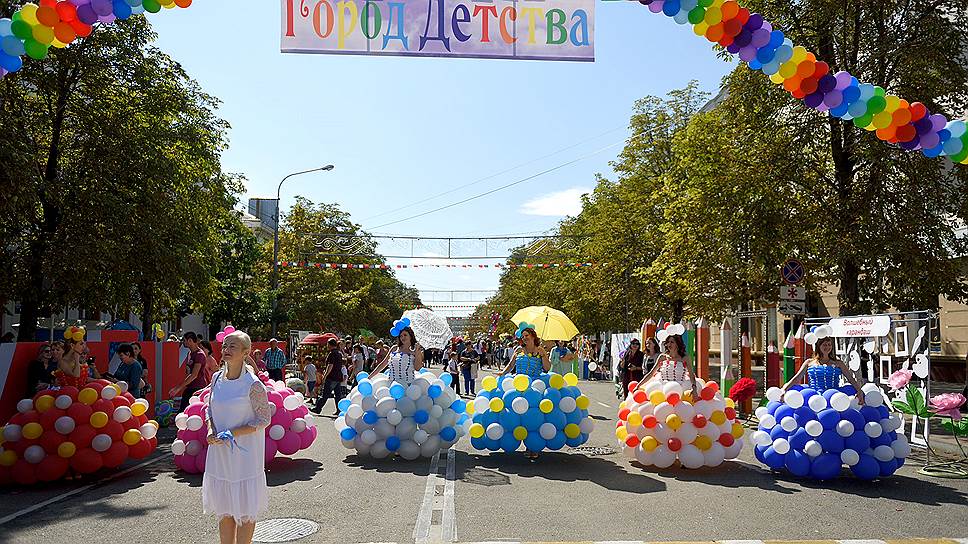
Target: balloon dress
(660, 421)
(528, 364)
(400, 368)
(234, 484)
(813, 431)
(62, 379)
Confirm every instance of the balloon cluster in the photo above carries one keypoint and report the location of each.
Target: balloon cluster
(74, 333)
(670, 330)
(381, 418)
(548, 412)
(895, 120)
(813, 434)
(33, 28)
(398, 326)
(220, 337)
(662, 422)
(100, 425)
(817, 333)
(291, 429)
(521, 328)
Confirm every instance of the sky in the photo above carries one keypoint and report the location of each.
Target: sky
(402, 130)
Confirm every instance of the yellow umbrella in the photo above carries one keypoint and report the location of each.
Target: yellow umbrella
(549, 323)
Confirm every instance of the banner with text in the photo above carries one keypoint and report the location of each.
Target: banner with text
(500, 29)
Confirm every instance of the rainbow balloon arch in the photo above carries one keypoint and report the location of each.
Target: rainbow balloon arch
(33, 29)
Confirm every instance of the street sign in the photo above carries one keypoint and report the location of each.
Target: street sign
(792, 307)
(793, 293)
(792, 272)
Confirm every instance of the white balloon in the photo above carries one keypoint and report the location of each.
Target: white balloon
(774, 394)
(63, 402)
(148, 431)
(873, 429)
(762, 438)
(538, 386)
(883, 453)
(715, 455)
(414, 391)
(662, 456)
(587, 425)
(355, 411)
(181, 421)
(64, 425)
(768, 421)
(384, 429)
(901, 447)
(12, 432)
(420, 436)
(520, 405)
(109, 393)
(291, 402)
(840, 402)
(788, 424)
(368, 437)
(101, 443)
(178, 447)
(547, 431)
(431, 446)
(368, 403)
(691, 457)
(733, 451)
(873, 399)
(781, 446)
(406, 428)
(482, 405)
(35, 454)
(845, 428)
(194, 423)
(310, 420)
(849, 457)
(793, 399)
(810, 338)
(298, 425)
(494, 431)
(814, 428)
(661, 336)
(812, 448)
(760, 412)
(276, 432)
(25, 406)
(653, 386)
(567, 405)
(671, 387)
(121, 414)
(643, 456)
(869, 387)
(394, 417)
(436, 412)
(661, 412)
(817, 403)
(425, 403)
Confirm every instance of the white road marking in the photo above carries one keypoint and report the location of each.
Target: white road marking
(437, 519)
(62, 496)
(421, 530)
(861, 541)
(449, 518)
(603, 404)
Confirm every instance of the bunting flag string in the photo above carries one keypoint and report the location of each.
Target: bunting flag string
(384, 266)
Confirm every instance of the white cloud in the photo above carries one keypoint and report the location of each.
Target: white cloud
(562, 203)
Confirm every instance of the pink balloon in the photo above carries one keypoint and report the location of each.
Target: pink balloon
(271, 449)
(282, 418)
(289, 444)
(276, 398)
(196, 409)
(220, 337)
(200, 460)
(302, 411)
(306, 438)
(229, 330)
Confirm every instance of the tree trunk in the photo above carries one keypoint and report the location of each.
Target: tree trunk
(849, 297)
(678, 310)
(147, 293)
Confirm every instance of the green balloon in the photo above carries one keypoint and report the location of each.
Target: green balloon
(705, 3)
(35, 49)
(879, 91)
(697, 14)
(876, 105)
(151, 6)
(864, 120)
(21, 29)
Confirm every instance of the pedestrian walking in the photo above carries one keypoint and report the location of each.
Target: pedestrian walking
(309, 373)
(275, 360)
(468, 360)
(194, 364)
(452, 368)
(332, 377)
(234, 484)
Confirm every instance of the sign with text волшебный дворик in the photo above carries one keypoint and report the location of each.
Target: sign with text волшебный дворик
(500, 29)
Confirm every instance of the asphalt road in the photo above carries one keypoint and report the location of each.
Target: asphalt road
(559, 497)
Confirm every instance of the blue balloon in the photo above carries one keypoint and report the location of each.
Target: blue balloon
(557, 442)
(448, 433)
(829, 418)
(370, 417)
(349, 433)
(405, 321)
(803, 415)
(814, 328)
(365, 388)
(773, 459)
(5, 26)
(509, 420)
(755, 64)
(848, 390)
(887, 467)
(534, 442)
(553, 395)
(883, 412)
(397, 391)
(575, 442)
(462, 419)
(884, 439)
(758, 452)
(778, 432)
(858, 441)
(799, 439)
(10, 64)
(532, 420)
(459, 406)
(574, 417)
(831, 442)
(776, 38)
(420, 416)
(867, 468)
(772, 406)
(671, 8)
(12, 46)
(447, 378)
(533, 397)
(344, 405)
(825, 467)
(797, 463)
(434, 391)
(782, 412)
(509, 397)
(807, 392)
(121, 9)
(855, 418)
(479, 443)
(509, 443)
(556, 418)
(393, 443)
(869, 413)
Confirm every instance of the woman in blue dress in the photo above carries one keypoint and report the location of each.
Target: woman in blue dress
(530, 358)
(824, 371)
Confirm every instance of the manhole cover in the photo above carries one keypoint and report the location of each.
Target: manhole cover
(593, 450)
(283, 530)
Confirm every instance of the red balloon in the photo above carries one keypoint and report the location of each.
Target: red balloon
(667, 325)
(673, 398)
(53, 467)
(200, 460)
(101, 384)
(105, 406)
(918, 111)
(128, 397)
(120, 401)
(153, 443)
(50, 440)
(80, 413)
(115, 455)
(83, 31)
(640, 397)
(5, 477)
(82, 435)
(23, 473)
(142, 419)
(68, 390)
(699, 421)
(730, 413)
(632, 441)
(46, 392)
(25, 417)
(131, 423)
(726, 439)
(86, 461)
(623, 414)
(633, 386)
(48, 418)
(66, 11)
(649, 421)
(140, 450)
(114, 430)
(675, 444)
(707, 393)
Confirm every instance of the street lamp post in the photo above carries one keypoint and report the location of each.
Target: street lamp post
(275, 242)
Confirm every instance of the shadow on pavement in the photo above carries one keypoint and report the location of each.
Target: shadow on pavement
(281, 471)
(494, 468)
(730, 474)
(903, 488)
(417, 467)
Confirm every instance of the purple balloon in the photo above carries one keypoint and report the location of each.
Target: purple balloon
(843, 80)
(929, 140)
(107, 18)
(938, 122)
(645, 2)
(743, 38)
(733, 48)
(761, 37)
(827, 83)
(755, 21)
(79, 3)
(656, 7)
(86, 14)
(923, 125)
(748, 53)
(102, 7)
(909, 146)
(767, 26)
(833, 98)
(813, 99)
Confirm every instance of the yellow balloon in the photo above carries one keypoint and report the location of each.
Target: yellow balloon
(700, 28)
(32, 430)
(622, 405)
(777, 78)
(635, 419)
(571, 379)
(718, 417)
(738, 430)
(489, 383)
(477, 430)
(99, 419)
(139, 408)
(572, 431)
(657, 398)
(89, 396)
(556, 381)
(66, 450)
(132, 437)
(520, 433)
(521, 382)
(649, 443)
(882, 119)
(730, 403)
(78, 336)
(29, 14)
(799, 53)
(469, 409)
(713, 16)
(44, 403)
(687, 396)
(153, 422)
(703, 442)
(620, 432)
(673, 421)
(497, 404)
(893, 103)
(546, 406)
(582, 402)
(8, 458)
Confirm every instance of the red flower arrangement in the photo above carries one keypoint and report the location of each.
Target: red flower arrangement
(742, 390)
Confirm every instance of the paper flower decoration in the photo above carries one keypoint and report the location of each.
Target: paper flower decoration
(900, 379)
(75, 333)
(523, 327)
(743, 390)
(947, 404)
(220, 337)
(398, 326)
(159, 332)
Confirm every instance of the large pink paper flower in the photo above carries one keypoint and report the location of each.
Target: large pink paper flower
(947, 404)
(900, 379)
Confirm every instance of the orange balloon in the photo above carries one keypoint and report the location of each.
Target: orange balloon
(183, 3)
(901, 116)
(792, 83)
(806, 68)
(886, 133)
(47, 16)
(730, 9)
(64, 33)
(715, 32)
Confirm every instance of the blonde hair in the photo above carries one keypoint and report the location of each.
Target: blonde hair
(242, 338)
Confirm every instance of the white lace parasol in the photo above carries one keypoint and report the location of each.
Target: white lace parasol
(431, 330)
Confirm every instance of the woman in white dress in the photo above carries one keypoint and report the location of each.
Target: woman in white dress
(404, 359)
(674, 365)
(234, 485)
